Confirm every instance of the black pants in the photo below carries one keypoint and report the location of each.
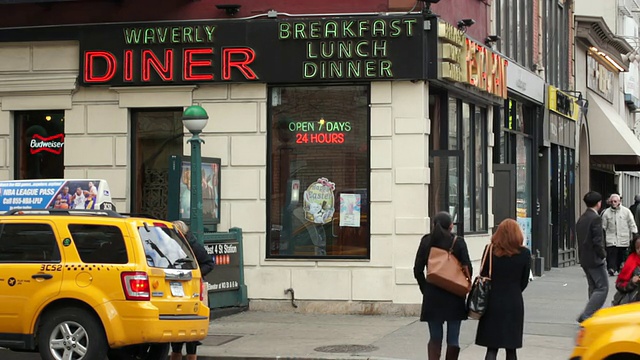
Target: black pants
(191, 347)
(492, 354)
(615, 257)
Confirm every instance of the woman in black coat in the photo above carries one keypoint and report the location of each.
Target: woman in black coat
(502, 324)
(205, 263)
(439, 305)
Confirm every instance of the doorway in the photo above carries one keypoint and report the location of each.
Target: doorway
(157, 134)
(504, 192)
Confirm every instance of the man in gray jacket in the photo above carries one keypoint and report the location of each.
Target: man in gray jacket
(619, 225)
(591, 251)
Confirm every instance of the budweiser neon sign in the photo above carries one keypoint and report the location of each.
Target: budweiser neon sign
(52, 144)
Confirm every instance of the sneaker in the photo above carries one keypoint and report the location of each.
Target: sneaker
(611, 272)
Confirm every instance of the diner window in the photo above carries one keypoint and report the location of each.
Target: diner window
(39, 144)
(319, 172)
(458, 161)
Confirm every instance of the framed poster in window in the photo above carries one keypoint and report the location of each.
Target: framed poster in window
(180, 189)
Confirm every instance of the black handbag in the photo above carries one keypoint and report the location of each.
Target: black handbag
(478, 298)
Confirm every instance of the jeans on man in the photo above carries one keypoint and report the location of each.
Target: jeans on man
(598, 290)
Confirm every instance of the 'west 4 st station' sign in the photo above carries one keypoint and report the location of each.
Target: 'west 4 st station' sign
(269, 50)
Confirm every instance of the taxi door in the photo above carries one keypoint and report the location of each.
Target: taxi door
(30, 271)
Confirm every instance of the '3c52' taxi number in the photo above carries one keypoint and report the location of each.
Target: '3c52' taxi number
(50, 267)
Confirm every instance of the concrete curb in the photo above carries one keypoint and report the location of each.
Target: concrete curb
(341, 357)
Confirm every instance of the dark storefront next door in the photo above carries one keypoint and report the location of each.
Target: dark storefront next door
(562, 207)
(504, 192)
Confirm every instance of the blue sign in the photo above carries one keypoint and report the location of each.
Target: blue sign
(36, 194)
(55, 194)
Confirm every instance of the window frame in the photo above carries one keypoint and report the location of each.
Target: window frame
(17, 141)
(270, 174)
(464, 159)
(135, 194)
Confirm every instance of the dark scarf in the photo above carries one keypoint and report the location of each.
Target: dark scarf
(632, 262)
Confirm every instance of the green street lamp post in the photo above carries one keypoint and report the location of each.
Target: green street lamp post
(195, 118)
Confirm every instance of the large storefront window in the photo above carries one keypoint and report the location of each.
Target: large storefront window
(319, 172)
(458, 161)
(39, 144)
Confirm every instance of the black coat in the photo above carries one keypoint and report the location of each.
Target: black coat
(591, 242)
(205, 261)
(502, 324)
(437, 303)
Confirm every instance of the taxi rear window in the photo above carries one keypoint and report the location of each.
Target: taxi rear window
(165, 249)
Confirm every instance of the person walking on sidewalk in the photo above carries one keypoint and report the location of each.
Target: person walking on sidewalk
(501, 326)
(592, 254)
(635, 210)
(206, 264)
(439, 305)
(619, 225)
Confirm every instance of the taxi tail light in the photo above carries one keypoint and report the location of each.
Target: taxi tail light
(136, 285)
(203, 288)
(580, 336)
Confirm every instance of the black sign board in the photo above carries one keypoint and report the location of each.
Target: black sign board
(226, 273)
(266, 50)
(564, 104)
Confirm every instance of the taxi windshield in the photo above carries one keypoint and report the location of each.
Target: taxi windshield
(165, 249)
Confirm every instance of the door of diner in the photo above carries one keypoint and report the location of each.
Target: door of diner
(504, 192)
(156, 135)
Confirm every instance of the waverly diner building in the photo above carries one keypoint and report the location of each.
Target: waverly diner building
(339, 136)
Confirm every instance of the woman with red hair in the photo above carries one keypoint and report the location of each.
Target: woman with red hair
(502, 324)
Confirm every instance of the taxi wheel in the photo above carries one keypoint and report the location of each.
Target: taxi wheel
(71, 333)
(140, 352)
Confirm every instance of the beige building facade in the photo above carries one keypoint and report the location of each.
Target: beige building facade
(98, 138)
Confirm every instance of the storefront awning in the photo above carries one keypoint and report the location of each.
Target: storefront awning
(610, 139)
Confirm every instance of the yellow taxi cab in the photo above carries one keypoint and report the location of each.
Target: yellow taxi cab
(612, 333)
(96, 284)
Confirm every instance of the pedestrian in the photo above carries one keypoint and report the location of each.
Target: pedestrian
(619, 225)
(439, 305)
(502, 325)
(635, 210)
(206, 264)
(592, 254)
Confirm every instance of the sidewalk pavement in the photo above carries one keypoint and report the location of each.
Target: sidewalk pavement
(552, 302)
